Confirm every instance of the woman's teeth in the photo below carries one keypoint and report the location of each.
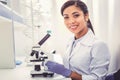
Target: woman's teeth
(73, 27)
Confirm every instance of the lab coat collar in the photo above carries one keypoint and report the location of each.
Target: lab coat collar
(87, 39)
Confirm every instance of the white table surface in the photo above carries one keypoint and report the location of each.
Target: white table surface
(22, 72)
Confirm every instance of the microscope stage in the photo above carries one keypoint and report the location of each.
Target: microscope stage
(42, 74)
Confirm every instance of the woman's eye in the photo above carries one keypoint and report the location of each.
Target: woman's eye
(66, 17)
(76, 15)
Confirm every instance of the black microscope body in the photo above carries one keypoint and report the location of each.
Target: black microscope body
(40, 57)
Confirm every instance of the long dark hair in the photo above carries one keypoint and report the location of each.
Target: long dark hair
(79, 4)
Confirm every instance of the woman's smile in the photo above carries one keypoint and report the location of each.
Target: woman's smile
(73, 27)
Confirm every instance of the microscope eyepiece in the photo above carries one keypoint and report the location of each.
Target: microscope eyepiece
(44, 39)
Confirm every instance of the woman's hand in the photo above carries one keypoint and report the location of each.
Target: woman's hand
(58, 68)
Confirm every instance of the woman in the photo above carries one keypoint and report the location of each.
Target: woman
(86, 57)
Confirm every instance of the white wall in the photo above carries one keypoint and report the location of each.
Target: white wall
(23, 41)
(106, 24)
(114, 39)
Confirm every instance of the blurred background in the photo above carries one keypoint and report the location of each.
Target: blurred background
(42, 16)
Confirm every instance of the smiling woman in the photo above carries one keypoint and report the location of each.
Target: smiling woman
(86, 57)
(75, 21)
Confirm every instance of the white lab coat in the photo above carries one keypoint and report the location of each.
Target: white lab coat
(87, 56)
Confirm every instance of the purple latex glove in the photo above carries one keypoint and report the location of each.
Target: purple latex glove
(58, 68)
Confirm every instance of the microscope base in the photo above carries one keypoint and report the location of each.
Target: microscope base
(42, 74)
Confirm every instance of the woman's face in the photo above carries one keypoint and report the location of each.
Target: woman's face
(75, 20)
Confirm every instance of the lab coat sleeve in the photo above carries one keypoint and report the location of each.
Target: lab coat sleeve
(99, 62)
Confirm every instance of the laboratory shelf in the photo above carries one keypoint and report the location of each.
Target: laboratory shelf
(10, 14)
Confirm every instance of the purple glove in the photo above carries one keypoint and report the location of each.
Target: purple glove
(58, 68)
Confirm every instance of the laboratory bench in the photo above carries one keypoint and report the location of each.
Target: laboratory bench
(22, 72)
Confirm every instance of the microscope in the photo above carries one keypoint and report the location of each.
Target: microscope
(39, 59)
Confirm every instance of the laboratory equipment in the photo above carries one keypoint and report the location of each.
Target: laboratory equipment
(39, 59)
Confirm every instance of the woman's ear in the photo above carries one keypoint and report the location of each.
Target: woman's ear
(86, 17)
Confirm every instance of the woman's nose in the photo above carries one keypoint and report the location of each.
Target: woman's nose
(71, 20)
